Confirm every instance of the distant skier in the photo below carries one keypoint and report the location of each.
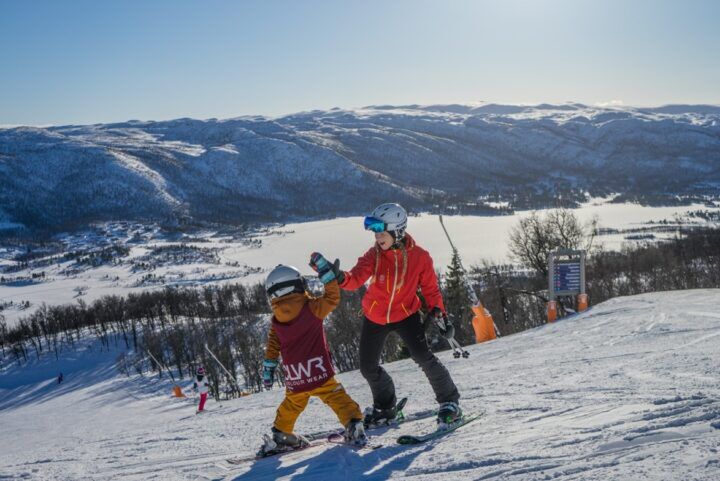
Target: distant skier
(397, 267)
(60, 378)
(200, 385)
(297, 334)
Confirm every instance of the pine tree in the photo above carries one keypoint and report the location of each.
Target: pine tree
(457, 301)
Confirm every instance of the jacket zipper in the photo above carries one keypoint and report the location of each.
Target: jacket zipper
(392, 296)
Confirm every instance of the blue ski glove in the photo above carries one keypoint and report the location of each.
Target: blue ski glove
(326, 271)
(446, 328)
(269, 366)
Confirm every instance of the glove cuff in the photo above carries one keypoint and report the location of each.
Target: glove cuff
(271, 363)
(326, 276)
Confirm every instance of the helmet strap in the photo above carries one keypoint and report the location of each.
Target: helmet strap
(398, 241)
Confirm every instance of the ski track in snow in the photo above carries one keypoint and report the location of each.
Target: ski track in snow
(628, 390)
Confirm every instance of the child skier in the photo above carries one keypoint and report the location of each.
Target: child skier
(297, 334)
(201, 385)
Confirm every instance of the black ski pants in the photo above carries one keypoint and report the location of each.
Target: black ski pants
(412, 331)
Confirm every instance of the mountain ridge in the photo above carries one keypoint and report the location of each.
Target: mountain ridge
(342, 162)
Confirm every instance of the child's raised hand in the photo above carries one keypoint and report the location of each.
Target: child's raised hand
(323, 268)
(318, 262)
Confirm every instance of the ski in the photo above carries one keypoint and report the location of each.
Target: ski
(203, 413)
(338, 438)
(419, 439)
(275, 452)
(333, 438)
(400, 419)
(399, 415)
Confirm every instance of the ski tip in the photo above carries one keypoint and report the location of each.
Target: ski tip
(441, 431)
(407, 439)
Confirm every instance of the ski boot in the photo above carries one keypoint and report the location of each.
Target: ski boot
(378, 417)
(448, 414)
(355, 433)
(280, 441)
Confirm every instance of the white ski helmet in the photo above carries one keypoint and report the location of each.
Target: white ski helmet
(284, 280)
(394, 218)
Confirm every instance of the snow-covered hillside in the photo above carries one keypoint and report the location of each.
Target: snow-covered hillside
(147, 258)
(628, 390)
(343, 162)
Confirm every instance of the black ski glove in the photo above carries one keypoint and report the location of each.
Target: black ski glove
(436, 315)
(339, 275)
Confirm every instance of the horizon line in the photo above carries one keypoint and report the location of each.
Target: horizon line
(610, 105)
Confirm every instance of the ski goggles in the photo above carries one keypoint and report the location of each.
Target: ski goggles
(374, 224)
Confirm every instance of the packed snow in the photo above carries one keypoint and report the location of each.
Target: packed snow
(627, 390)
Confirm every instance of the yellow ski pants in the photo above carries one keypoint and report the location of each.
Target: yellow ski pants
(331, 393)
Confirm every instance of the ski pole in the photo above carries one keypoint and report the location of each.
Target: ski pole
(456, 352)
(470, 291)
(223, 367)
(455, 346)
(161, 365)
(458, 349)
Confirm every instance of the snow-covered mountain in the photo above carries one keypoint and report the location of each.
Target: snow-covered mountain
(324, 163)
(626, 391)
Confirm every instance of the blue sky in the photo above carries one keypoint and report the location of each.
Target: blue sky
(83, 62)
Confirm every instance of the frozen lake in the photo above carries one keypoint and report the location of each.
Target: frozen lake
(477, 238)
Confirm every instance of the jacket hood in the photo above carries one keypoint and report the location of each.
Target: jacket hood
(287, 308)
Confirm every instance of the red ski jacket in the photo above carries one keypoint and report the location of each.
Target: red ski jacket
(396, 275)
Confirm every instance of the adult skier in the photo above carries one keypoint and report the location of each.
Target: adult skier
(396, 267)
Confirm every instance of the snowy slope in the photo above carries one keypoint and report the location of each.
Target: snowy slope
(343, 162)
(626, 391)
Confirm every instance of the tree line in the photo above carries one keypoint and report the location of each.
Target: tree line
(516, 294)
(173, 330)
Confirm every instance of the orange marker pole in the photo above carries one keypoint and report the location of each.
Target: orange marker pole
(582, 302)
(552, 311)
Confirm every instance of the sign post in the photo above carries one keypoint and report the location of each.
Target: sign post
(566, 277)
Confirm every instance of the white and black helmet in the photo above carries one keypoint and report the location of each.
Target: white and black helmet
(284, 280)
(393, 216)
